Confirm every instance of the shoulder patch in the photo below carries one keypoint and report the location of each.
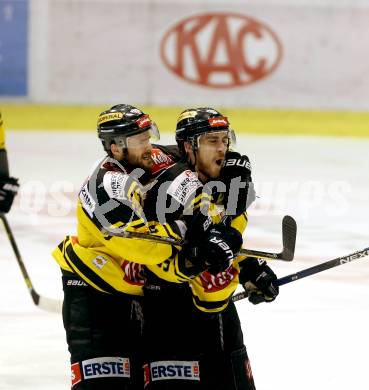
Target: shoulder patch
(184, 186)
(115, 183)
(123, 188)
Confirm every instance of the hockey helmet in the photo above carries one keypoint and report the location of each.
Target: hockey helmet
(194, 122)
(121, 121)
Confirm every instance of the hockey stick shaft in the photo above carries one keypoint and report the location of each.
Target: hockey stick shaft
(288, 235)
(312, 271)
(45, 303)
(323, 266)
(171, 241)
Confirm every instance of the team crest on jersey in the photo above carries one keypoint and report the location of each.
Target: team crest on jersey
(99, 262)
(184, 186)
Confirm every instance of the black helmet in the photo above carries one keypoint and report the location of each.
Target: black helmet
(121, 121)
(196, 121)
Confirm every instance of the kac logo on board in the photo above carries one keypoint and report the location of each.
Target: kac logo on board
(221, 50)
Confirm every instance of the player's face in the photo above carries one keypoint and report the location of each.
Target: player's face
(139, 151)
(210, 155)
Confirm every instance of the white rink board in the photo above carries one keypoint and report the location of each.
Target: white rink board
(101, 51)
(313, 337)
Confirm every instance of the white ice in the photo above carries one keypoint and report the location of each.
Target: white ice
(313, 337)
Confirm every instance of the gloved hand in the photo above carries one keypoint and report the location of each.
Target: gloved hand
(198, 226)
(215, 251)
(258, 279)
(236, 175)
(8, 189)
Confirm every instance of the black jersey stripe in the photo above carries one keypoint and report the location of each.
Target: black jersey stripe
(178, 272)
(169, 233)
(210, 305)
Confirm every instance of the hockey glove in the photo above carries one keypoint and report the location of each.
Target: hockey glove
(258, 279)
(216, 251)
(236, 175)
(8, 189)
(198, 226)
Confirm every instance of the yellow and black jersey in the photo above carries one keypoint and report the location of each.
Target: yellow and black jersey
(99, 268)
(178, 195)
(211, 293)
(111, 199)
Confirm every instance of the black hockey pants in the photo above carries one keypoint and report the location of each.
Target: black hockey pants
(186, 349)
(104, 337)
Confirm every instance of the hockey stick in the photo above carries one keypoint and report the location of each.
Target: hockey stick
(289, 230)
(48, 304)
(311, 271)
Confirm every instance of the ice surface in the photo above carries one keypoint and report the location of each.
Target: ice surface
(314, 336)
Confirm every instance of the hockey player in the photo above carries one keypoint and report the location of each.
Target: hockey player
(188, 348)
(102, 273)
(8, 185)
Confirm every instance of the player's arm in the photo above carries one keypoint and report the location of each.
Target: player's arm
(255, 275)
(208, 244)
(211, 292)
(112, 201)
(111, 264)
(236, 175)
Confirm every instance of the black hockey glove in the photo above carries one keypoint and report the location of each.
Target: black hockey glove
(236, 175)
(8, 189)
(198, 226)
(216, 251)
(196, 229)
(258, 279)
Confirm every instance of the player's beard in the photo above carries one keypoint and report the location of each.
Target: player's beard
(143, 161)
(210, 169)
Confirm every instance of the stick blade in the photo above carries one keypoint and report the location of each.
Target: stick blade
(289, 231)
(48, 304)
(51, 305)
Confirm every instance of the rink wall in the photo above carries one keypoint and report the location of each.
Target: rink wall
(272, 66)
(271, 54)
